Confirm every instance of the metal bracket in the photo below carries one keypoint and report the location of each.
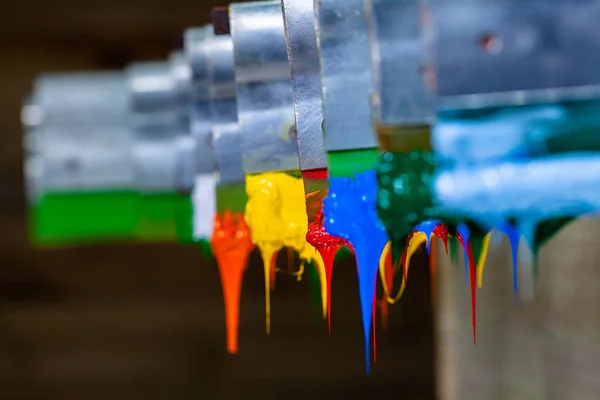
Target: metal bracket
(79, 142)
(303, 56)
(264, 90)
(200, 114)
(345, 74)
(400, 96)
(512, 52)
(227, 136)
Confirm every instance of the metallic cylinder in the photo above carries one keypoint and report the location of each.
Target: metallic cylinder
(78, 136)
(264, 88)
(159, 101)
(303, 56)
(345, 74)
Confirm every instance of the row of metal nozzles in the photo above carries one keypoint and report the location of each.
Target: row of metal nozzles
(258, 94)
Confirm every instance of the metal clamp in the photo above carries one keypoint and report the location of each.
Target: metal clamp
(160, 104)
(264, 89)
(200, 113)
(227, 136)
(345, 74)
(79, 142)
(510, 52)
(400, 96)
(303, 55)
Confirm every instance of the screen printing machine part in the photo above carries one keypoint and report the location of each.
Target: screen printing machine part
(275, 212)
(101, 162)
(303, 57)
(528, 70)
(80, 178)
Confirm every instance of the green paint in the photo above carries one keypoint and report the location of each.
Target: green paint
(184, 219)
(405, 198)
(156, 217)
(205, 249)
(74, 218)
(342, 254)
(350, 163)
(232, 197)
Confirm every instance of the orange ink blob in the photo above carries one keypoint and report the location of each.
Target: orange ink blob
(231, 246)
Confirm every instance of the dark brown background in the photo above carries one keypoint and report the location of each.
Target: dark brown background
(146, 321)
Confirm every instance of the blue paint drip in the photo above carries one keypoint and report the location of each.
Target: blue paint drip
(466, 236)
(351, 213)
(513, 236)
(427, 228)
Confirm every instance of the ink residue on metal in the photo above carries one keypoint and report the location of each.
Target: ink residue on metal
(276, 215)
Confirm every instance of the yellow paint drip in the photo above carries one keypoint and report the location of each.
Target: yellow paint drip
(482, 258)
(276, 215)
(418, 239)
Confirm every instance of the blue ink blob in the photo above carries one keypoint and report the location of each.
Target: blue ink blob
(350, 212)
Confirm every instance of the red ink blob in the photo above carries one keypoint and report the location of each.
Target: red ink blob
(327, 246)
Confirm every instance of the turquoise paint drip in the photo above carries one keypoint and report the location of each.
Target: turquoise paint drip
(351, 213)
(531, 164)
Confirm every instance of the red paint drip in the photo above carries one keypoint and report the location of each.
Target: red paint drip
(441, 231)
(327, 246)
(473, 282)
(315, 174)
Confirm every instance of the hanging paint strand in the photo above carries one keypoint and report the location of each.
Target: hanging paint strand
(350, 213)
(231, 246)
(464, 237)
(276, 217)
(327, 246)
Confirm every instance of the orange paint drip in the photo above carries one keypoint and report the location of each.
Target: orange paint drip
(231, 246)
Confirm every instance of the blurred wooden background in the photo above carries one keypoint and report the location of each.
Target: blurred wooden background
(146, 322)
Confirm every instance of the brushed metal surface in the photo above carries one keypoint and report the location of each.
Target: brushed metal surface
(345, 74)
(264, 89)
(303, 56)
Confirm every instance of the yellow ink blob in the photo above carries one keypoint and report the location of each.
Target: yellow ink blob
(276, 215)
